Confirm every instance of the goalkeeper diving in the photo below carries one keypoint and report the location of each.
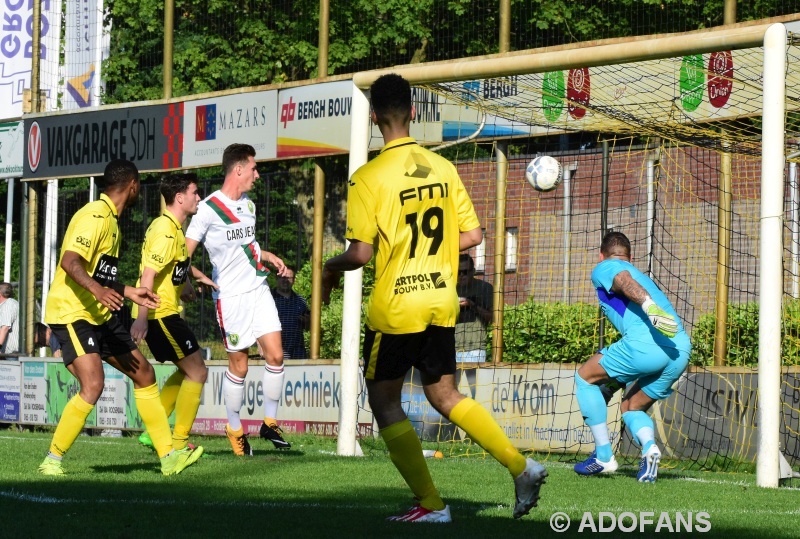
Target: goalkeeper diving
(651, 355)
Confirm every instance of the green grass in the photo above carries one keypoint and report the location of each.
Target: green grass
(114, 489)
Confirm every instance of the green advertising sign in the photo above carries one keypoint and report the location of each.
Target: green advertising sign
(554, 93)
(61, 387)
(691, 83)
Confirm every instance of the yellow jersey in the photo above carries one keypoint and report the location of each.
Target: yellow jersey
(93, 233)
(164, 250)
(411, 205)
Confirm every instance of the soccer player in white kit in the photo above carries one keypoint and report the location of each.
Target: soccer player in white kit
(226, 225)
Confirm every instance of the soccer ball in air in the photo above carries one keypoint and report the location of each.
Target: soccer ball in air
(544, 173)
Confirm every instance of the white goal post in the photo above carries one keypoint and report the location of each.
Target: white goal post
(773, 38)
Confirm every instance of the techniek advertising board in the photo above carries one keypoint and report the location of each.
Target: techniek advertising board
(309, 401)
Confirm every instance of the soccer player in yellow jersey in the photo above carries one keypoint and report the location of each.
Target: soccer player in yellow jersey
(408, 205)
(82, 296)
(164, 268)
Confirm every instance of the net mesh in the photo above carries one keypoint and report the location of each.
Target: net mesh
(663, 130)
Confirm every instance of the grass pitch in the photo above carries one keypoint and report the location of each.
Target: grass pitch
(114, 489)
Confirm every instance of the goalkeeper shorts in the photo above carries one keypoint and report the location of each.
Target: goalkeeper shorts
(656, 368)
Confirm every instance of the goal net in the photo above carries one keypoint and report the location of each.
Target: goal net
(679, 143)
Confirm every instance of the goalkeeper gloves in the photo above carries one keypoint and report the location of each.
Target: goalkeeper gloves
(661, 320)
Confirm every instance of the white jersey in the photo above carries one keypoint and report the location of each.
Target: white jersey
(227, 229)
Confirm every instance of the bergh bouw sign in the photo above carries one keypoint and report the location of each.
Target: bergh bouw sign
(81, 144)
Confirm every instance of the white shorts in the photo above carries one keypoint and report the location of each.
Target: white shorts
(246, 317)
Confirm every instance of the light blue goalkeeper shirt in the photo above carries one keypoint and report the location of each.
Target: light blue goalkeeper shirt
(628, 316)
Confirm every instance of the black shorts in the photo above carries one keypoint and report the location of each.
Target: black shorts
(388, 356)
(170, 339)
(81, 337)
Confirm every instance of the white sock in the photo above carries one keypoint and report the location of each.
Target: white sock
(233, 390)
(601, 442)
(273, 384)
(646, 438)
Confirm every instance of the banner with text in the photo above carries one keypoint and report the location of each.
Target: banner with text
(16, 53)
(12, 142)
(81, 144)
(85, 48)
(10, 380)
(213, 124)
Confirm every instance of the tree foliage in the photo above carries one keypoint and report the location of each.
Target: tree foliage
(221, 45)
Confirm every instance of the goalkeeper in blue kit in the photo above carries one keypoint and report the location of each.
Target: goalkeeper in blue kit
(651, 355)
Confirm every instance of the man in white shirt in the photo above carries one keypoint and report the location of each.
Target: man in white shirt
(225, 224)
(9, 320)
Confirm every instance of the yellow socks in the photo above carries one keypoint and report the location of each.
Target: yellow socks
(148, 403)
(170, 391)
(405, 450)
(481, 427)
(73, 419)
(185, 411)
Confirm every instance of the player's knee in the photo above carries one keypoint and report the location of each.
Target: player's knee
(274, 358)
(91, 390)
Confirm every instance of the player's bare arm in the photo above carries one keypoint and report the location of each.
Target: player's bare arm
(139, 326)
(203, 279)
(470, 238)
(274, 261)
(4, 330)
(191, 245)
(75, 266)
(625, 284)
(357, 254)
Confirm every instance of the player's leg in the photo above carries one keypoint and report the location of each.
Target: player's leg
(171, 339)
(82, 359)
(405, 452)
(593, 408)
(266, 328)
(121, 352)
(646, 391)
(437, 367)
(81, 356)
(641, 427)
(387, 359)
(233, 392)
(272, 380)
(188, 401)
(160, 347)
(148, 403)
(234, 317)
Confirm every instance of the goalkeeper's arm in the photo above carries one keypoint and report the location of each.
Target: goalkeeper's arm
(661, 320)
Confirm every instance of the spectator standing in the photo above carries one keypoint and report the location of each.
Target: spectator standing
(294, 315)
(475, 300)
(9, 320)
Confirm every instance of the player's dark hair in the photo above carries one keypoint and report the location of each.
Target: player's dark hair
(391, 96)
(236, 154)
(173, 184)
(613, 242)
(41, 335)
(464, 257)
(118, 174)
